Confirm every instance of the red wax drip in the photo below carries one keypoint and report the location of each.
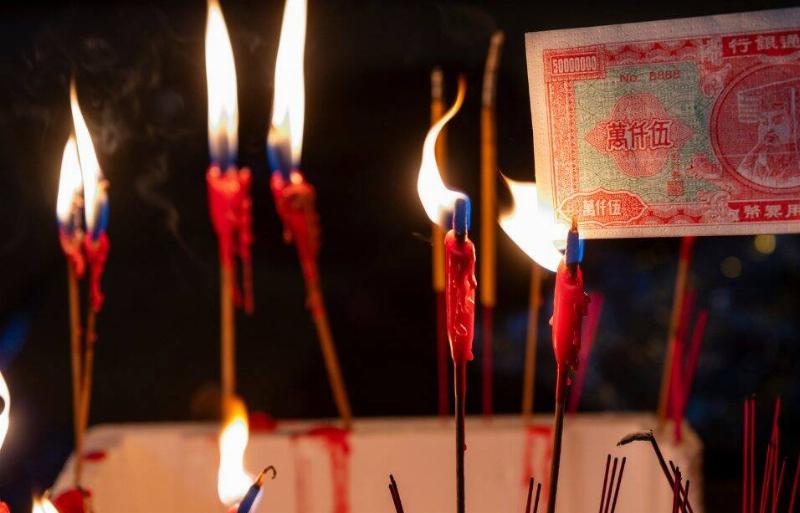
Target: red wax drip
(569, 306)
(94, 456)
(589, 328)
(231, 209)
(4, 507)
(337, 442)
(96, 255)
(72, 501)
(71, 246)
(295, 201)
(460, 285)
(544, 435)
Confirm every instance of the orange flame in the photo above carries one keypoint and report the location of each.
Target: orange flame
(232, 479)
(223, 108)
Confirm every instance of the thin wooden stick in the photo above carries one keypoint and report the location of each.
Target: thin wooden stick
(460, 388)
(530, 496)
(86, 391)
(398, 503)
(320, 315)
(745, 453)
(488, 235)
(536, 501)
(752, 456)
(227, 335)
(777, 491)
(681, 281)
(611, 485)
(558, 432)
(437, 245)
(605, 485)
(793, 494)
(619, 482)
(75, 353)
(529, 377)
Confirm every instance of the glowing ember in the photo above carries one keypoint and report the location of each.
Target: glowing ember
(532, 228)
(223, 109)
(436, 198)
(232, 480)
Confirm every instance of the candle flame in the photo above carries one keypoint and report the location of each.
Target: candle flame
(223, 109)
(70, 183)
(288, 104)
(436, 198)
(532, 227)
(232, 479)
(91, 175)
(43, 505)
(5, 398)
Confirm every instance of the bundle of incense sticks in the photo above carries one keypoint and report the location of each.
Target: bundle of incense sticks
(774, 473)
(533, 507)
(684, 361)
(607, 504)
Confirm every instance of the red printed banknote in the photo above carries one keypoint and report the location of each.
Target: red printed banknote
(670, 128)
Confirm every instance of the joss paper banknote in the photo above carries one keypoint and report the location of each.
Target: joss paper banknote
(670, 128)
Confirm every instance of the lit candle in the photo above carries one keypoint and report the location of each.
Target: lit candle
(233, 481)
(533, 229)
(96, 245)
(230, 206)
(440, 203)
(295, 197)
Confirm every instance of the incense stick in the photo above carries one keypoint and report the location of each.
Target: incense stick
(320, 315)
(619, 482)
(745, 453)
(648, 436)
(437, 245)
(529, 376)
(677, 306)
(86, 390)
(227, 335)
(398, 504)
(533, 507)
(488, 236)
(605, 485)
(558, 432)
(75, 353)
(460, 393)
(793, 493)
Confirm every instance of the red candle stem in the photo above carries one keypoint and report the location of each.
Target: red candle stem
(460, 295)
(569, 307)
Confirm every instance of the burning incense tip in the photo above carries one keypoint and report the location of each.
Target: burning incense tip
(642, 436)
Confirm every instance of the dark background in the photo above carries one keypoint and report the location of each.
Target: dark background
(141, 81)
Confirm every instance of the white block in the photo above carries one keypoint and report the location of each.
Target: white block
(172, 468)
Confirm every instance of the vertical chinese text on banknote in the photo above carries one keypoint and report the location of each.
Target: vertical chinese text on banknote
(680, 127)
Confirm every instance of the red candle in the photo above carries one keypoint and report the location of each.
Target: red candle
(460, 295)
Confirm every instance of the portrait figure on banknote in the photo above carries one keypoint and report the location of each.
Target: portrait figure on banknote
(663, 129)
(773, 160)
